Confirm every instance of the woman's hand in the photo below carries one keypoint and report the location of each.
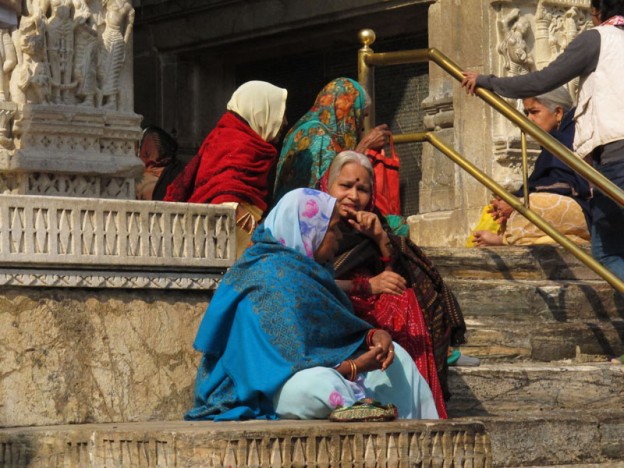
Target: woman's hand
(501, 210)
(378, 356)
(388, 282)
(367, 223)
(470, 81)
(375, 139)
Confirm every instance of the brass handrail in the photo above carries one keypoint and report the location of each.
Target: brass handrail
(367, 58)
(513, 201)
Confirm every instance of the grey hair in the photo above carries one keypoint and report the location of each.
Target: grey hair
(343, 158)
(558, 97)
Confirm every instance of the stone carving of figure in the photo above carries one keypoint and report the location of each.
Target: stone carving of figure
(119, 17)
(85, 56)
(9, 9)
(516, 57)
(562, 30)
(60, 42)
(8, 58)
(30, 81)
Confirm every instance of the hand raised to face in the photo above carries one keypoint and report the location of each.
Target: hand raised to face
(365, 222)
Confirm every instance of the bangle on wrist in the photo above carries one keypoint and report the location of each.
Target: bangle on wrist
(354, 369)
(369, 336)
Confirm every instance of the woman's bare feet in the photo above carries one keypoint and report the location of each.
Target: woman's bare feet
(485, 238)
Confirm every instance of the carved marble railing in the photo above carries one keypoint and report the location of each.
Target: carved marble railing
(55, 241)
(258, 444)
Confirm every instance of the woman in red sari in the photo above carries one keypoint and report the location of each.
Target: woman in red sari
(390, 281)
(236, 159)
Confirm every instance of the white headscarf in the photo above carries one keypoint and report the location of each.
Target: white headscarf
(262, 105)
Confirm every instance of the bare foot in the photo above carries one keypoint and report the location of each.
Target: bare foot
(485, 238)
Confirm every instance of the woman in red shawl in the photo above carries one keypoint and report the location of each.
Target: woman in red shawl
(389, 280)
(236, 158)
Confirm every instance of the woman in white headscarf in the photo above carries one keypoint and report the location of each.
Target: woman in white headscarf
(234, 162)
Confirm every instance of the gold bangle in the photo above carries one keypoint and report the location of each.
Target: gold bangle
(354, 370)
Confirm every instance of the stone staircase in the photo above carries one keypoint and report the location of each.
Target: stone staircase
(544, 327)
(545, 394)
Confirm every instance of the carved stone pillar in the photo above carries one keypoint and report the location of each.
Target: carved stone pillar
(67, 125)
(501, 37)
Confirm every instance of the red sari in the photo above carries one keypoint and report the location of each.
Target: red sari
(402, 317)
(425, 319)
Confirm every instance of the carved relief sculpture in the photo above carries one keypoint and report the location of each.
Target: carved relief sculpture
(8, 57)
(119, 16)
(60, 42)
(60, 112)
(557, 24)
(85, 54)
(529, 40)
(30, 81)
(513, 29)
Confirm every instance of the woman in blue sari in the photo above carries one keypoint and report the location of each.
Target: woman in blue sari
(279, 339)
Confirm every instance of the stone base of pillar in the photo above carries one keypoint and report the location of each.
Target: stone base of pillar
(68, 151)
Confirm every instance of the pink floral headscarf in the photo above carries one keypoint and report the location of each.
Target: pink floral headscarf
(300, 220)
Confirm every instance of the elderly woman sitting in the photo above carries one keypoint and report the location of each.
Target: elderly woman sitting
(236, 159)
(391, 283)
(280, 340)
(556, 192)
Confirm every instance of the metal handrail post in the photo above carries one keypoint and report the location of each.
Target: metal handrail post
(366, 75)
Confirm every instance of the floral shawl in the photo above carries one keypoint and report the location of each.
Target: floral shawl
(329, 127)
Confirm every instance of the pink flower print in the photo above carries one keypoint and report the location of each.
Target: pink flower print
(282, 241)
(336, 399)
(311, 209)
(309, 252)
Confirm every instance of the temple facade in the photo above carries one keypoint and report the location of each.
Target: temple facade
(80, 78)
(190, 56)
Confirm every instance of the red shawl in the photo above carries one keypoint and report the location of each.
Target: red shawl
(232, 165)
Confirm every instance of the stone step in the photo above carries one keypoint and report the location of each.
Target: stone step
(496, 339)
(610, 464)
(527, 439)
(513, 263)
(557, 438)
(546, 300)
(502, 389)
(252, 443)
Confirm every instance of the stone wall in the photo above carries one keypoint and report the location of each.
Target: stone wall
(76, 355)
(100, 304)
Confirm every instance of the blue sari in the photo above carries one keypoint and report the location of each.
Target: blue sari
(275, 313)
